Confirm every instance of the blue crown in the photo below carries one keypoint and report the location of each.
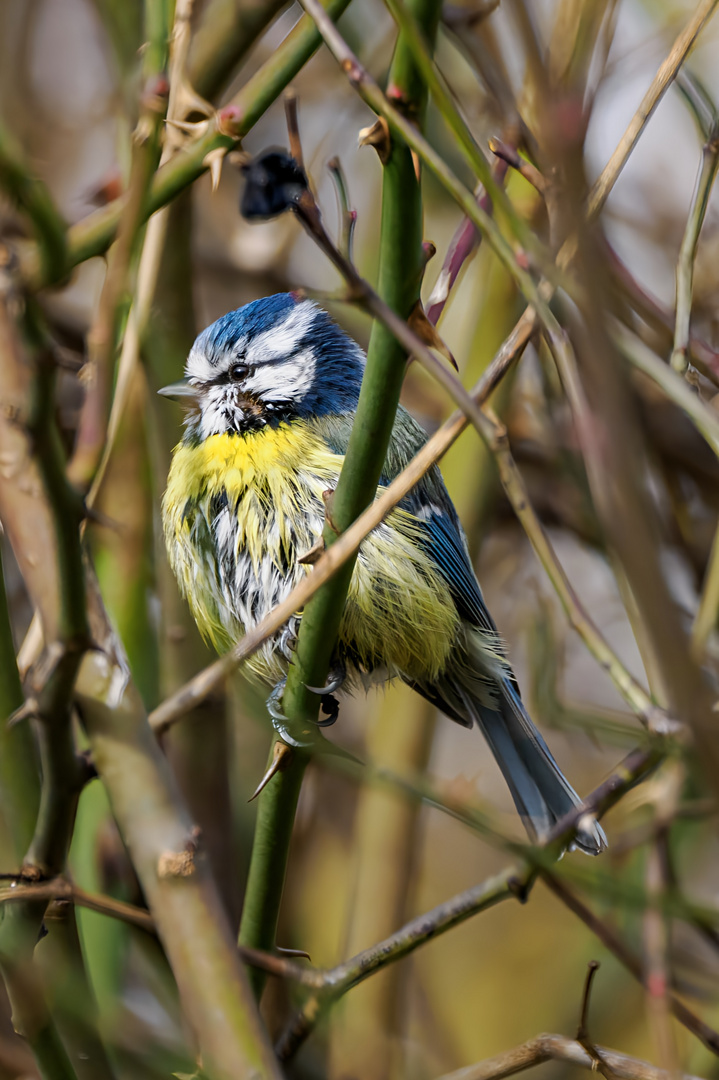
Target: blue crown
(334, 377)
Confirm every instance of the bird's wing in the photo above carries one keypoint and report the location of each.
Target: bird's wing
(444, 540)
(430, 504)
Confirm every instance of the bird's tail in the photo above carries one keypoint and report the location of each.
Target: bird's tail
(540, 791)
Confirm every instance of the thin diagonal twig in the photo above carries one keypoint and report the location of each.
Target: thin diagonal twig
(688, 250)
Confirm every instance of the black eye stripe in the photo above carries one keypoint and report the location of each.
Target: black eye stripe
(236, 372)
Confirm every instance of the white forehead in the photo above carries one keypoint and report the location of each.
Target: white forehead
(273, 344)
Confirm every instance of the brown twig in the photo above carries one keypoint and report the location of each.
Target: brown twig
(583, 1038)
(463, 246)
(659, 85)
(510, 156)
(687, 252)
(611, 940)
(98, 373)
(559, 1048)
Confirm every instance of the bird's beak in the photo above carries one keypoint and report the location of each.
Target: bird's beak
(180, 389)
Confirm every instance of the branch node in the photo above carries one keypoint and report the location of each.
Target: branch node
(229, 121)
(518, 888)
(180, 864)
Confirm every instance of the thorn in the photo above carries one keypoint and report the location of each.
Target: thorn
(310, 557)
(377, 135)
(281, 758)
(294, 952)
(293, 126)
(428, 334)
(429, 250)
(417, 166)
(328, 498)
(213, 161)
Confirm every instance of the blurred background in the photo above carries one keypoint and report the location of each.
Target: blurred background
(366, 858)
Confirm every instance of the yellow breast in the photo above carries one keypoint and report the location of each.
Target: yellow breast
(239, 510)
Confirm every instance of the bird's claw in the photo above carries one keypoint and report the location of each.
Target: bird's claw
(331, 707)
(287, 644)
(337, 677)
(286, 729)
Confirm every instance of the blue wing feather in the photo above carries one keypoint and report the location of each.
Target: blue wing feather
(445, 543)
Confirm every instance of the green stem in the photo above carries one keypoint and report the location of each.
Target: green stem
(401, 264)
(268, 865)
(400, 273)
(417, 44)
(102, 337)
(197, 749)
(222, 39)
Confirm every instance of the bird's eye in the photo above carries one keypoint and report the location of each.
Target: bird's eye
(238, 371)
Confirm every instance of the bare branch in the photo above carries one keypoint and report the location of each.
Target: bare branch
(559, 1048)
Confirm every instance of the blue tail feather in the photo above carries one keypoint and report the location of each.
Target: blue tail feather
(538, 787)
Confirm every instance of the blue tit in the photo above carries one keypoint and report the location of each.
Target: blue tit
(273, 389)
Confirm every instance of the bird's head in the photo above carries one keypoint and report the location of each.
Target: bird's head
(276, 359)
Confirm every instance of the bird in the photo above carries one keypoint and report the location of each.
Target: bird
(271, 390)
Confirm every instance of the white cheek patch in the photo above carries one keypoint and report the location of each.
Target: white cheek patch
(283, 339)
(283, 382)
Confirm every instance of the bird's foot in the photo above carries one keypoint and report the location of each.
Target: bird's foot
(288, 730)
